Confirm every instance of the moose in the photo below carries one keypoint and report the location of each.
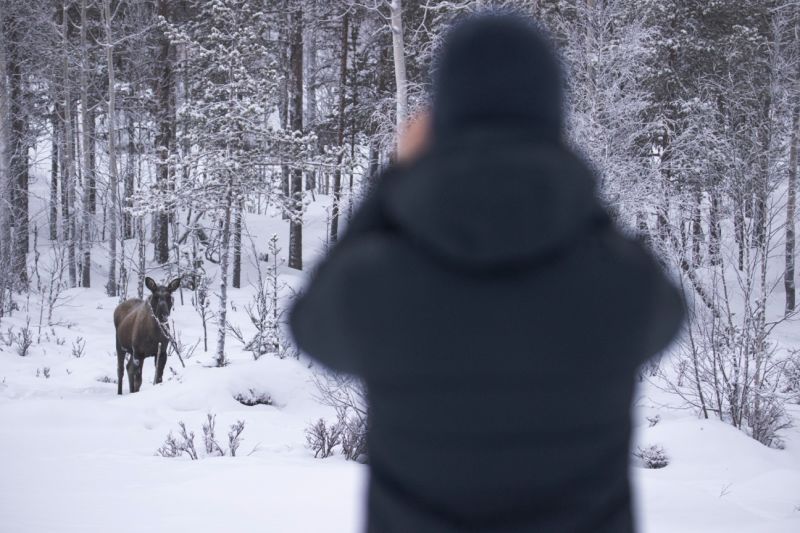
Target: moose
(142, 331)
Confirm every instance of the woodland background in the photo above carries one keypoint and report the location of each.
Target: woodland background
(136, 136)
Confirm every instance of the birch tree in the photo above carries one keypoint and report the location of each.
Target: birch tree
(111, 286)
(399, 53)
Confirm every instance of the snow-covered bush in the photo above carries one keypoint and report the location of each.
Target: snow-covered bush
(354, 438)
(175, 447)
(23, 340)
(209, 438)
(322, 438)
(78, 347)
(266, 312)
(234, 437)
(792, 375)
(253, 397)
(347, 395)
(652, 456)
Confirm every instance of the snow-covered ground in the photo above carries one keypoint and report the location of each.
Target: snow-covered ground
(78, 458)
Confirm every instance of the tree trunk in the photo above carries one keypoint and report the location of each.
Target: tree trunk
(739, 207)
(398, 49)
(224, 259)
(296, 62)
(5, 176)
(337, 175)
(130, 164)
(111, 286)
(87, 146)
(54, 168)
(164, 137)
(374, 165)
(714, 231)
(283, 107)
(761, 184)
(311, 91)
(791, 206)
(64, 180)
(18, 157)
(237, 245)
(698, 238)
(69, 162)
(91, 184)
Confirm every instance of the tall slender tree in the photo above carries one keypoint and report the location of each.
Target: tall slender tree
(296, 123)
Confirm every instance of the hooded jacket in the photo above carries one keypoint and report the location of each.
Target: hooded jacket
(497, 318)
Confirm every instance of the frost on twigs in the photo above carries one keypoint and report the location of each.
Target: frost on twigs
(173, 447)
(652, 456)
(184, 443)
(234, 436)
(209, 438)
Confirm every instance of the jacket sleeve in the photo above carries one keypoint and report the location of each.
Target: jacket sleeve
(667, 311)
(318, 318)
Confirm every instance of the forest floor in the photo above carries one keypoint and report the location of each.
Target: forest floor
(78, 458)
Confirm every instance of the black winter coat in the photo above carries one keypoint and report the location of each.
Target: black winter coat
(498, 319)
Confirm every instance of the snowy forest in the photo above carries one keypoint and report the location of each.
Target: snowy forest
(225, 143)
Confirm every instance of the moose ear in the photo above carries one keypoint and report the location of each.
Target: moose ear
(174, 285)
(150, 284)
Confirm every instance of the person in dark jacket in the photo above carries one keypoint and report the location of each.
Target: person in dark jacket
(495, 314)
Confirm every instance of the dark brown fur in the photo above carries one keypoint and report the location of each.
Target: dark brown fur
(140, 334)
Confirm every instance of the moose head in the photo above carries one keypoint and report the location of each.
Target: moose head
(160, 299)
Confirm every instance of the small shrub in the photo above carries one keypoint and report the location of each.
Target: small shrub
(321, 438)
(106, 379)
(175, 447)
(347, 395)
(212, 448)
(24, 340)
(252, 397)
(234, 437)
(43, 372)
(354, 438)
(653, 420)
(652, 457)
(792, 377)
(78, 347)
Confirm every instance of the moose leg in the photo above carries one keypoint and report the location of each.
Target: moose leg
(161, 362)
(137, 382)
(120, 367)
(131, 366)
